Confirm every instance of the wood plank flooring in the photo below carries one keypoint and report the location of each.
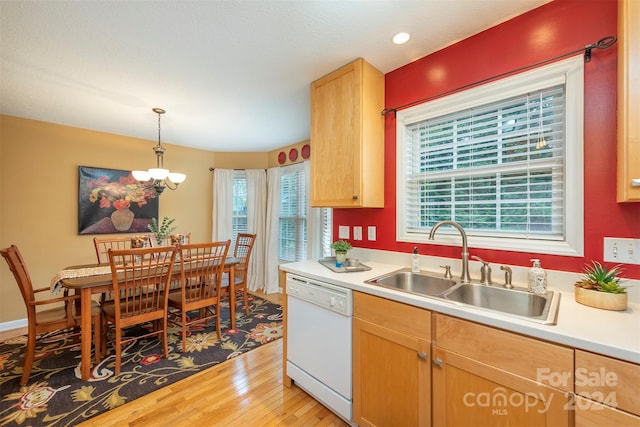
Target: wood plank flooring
(245, 391)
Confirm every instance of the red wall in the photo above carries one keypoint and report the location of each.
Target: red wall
(554, 29)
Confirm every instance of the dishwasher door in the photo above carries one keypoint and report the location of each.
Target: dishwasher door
(319, 345)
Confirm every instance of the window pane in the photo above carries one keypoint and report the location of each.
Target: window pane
(495, 168)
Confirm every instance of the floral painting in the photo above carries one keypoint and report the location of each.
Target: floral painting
(112, 201)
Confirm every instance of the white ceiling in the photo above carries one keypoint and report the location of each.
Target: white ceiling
(232, 75)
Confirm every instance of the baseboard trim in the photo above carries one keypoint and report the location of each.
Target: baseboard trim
(13, 324)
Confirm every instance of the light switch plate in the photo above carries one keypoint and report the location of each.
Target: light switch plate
(371, 232)
(621, 250)
(343, 232)
(357, 232)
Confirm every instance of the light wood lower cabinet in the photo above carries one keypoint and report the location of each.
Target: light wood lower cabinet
(608, 391)
(391, 368)
(487, 376)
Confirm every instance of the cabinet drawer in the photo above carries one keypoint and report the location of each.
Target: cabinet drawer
(393, 315)
(537, 360)
(610, 381)
(593, 414)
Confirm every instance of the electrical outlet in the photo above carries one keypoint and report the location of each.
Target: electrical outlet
(620, 250)
(343, 232)
(357, 232)
(371, 232)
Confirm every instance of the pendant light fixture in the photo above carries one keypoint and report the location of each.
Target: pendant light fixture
(159, 178)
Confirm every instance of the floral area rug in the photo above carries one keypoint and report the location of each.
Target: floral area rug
(56, 396)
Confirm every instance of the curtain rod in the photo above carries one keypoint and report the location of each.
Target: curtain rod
(603, 43)
(212, 169)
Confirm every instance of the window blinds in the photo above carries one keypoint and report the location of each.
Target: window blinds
(496, 169)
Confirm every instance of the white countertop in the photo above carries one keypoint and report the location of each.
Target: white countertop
(612, 333)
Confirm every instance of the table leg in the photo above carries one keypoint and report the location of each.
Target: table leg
(232, 296)
(85, 340)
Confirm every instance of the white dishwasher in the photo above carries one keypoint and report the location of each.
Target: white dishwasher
(319, 341)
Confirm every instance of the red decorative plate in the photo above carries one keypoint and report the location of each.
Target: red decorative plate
(293, 154)
(305, 151)
(282, 157)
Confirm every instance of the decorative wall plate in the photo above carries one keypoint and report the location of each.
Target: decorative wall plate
(305, 151)
(293, 154)
(282, 157)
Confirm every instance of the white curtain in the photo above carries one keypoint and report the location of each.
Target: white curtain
(256, 206)
(222, 221)
(272, 231)
(314, 221)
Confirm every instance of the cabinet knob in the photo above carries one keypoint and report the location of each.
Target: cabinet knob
(422, 355)
(356, 197)
(438, 362)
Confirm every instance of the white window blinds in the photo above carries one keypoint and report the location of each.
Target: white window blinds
(239, 213)
(293, 215)
(496, 168)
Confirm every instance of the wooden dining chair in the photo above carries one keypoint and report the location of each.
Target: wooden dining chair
(54, 319)
(140, 280)
(242, 252)
(102, 246)
(201, 270)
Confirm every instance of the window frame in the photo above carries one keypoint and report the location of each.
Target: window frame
(571, 73)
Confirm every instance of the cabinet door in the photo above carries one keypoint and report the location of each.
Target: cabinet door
(347, 137)
(467, 392)
(628, 100)
(335, 137)
(391, 374)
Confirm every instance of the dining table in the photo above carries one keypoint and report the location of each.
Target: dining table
(90, 279)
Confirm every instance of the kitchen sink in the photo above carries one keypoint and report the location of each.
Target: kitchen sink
(517, 302)
(542, 308)
(416, 283)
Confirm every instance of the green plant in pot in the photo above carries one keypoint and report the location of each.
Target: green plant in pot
(162, 230)
(600, 287)
(341, 247)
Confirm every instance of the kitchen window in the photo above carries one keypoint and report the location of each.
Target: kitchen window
(504, 160)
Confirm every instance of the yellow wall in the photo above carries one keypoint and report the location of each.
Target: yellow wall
(39, 193)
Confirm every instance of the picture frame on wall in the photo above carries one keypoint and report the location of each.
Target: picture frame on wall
(112, 201)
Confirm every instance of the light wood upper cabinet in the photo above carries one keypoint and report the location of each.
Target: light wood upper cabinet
(347, 137)
(391, 370)
(628, 100)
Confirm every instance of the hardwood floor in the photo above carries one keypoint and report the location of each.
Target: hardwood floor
(245, 391)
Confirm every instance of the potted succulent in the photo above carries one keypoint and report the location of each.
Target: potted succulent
(162, 230)
(600, 288)
(340, 247)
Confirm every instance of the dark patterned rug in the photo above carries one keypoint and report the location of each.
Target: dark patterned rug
(55, 395)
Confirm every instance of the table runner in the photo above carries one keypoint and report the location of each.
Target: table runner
(72, 273)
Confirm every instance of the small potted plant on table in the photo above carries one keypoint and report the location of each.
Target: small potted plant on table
(600, 288)
(341, 247)
(162, 230)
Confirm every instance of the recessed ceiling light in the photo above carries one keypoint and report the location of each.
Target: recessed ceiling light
(401, 38)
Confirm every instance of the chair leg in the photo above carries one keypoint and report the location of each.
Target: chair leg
(118, 350)
(29, 356)
(246, 301)
(165, 345)
(97, 337)
(184, 330)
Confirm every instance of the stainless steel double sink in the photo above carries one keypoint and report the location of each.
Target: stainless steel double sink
(516, 302)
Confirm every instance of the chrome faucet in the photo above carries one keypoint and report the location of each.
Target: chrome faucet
(465, 250)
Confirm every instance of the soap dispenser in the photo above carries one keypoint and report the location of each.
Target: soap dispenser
(415, 261)
(537, 278)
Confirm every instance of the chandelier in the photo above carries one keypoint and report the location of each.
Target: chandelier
(159, 178)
